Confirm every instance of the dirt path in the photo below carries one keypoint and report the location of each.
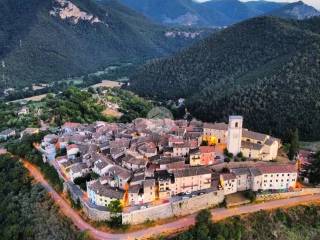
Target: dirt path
(182, 223)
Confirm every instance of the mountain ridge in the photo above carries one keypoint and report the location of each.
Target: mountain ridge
(264, 68)
(217, 13)
(46, 41)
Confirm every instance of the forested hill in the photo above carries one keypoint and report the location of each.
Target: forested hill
(296, 10)
(217, 13)
(266, 69)
(46, 40)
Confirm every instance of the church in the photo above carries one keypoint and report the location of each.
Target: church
(252, 145)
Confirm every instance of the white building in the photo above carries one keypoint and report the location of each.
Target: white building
(234, 134)
(267, 177)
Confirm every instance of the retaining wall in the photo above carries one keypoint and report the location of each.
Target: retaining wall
(95, 213)
(172, 209)
(274, 196)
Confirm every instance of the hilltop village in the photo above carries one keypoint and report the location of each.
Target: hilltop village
(153, 161)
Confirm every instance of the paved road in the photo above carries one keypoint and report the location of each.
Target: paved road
(218, 214)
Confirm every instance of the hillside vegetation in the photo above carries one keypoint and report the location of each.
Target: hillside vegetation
(265, 69)
(302, 222)
(27, 212)
(42, 41)
(74, 105)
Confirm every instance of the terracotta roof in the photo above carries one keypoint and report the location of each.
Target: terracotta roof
(119, 171)
(167, 160)
(250, 145)
(206, 149)
(192, 171)
(254, 135)
(228, 176)
(240, 171)
(132, 160)
(288, 168)
(216, 126)
(106, 190)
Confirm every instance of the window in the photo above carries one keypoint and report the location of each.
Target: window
(237, 124)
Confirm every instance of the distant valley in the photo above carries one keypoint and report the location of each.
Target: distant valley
(44, 41)
(215, 13)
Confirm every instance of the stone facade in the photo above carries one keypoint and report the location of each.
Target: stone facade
(173, 209)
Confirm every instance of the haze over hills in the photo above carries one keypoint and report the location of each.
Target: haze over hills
(297, 10)
(46, 40)
(214, 13)
(266, 69)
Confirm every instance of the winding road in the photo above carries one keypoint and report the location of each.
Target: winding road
(172, 227)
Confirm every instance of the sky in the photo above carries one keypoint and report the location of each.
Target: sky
(314, 3)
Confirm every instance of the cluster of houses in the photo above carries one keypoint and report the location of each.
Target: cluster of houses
(159, 159)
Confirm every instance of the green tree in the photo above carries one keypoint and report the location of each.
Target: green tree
(115, 206)
(312, 171)
(294, 144)
(204, 217)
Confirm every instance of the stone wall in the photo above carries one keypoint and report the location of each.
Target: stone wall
(94, 213)
(152, 213)
(197, 203)
(274, 196)
(172, 209)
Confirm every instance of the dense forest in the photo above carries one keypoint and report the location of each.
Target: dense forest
(39, 47)
(302, 222)
(26, 210)
(266, 69)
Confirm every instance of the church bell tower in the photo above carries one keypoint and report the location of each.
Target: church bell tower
(234, 134)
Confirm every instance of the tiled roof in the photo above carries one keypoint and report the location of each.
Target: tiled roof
(120, 171)
(254, 135)
(228, 176)
(106, 190)
(192, 171)
(240, 171)
(250, 145)
(206, 149)
(288, 168)
(132, 160)
(216, 126)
